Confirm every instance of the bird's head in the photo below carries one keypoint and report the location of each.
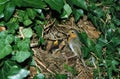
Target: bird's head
(72, 34)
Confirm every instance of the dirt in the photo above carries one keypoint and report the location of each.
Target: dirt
(53, 56)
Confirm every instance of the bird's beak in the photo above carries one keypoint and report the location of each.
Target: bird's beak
(68, 35)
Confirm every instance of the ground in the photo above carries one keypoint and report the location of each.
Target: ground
(52, 57)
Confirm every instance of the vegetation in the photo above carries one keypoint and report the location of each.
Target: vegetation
(16, 55)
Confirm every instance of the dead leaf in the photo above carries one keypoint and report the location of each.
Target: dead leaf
(2, 28)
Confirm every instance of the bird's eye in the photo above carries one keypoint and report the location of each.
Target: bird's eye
(72, 32)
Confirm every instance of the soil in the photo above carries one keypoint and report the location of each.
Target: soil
(52, 57)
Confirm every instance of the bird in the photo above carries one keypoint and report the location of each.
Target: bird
(75, 45)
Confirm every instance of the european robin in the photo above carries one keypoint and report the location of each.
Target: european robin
(75, 44)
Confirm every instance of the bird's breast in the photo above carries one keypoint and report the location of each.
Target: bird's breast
(73, 47)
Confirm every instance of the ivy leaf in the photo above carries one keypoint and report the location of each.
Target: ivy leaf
(40, 12)
(115, 41)
(12, 27)
(31, 13)
(41, 41)
(60, 76)
(70, 69)
(3, 1)
(118, 49)
(8, 64)
(18, 2)
(21, 56)
(99, 12)
(27, 32)
(21, 15)
(82, 37)
(67, 11)
(17, 73)
(9, 9)
(7, 38)
(4, 49)
(1, 11)
(39, 76)
(23, 45)
(85, 51)
(38, 30)
(55, 4)
(27, 22)
(77, 14)
(34, 3)
(80, 3)
(114, 64)
(90, 44)
(116, 21)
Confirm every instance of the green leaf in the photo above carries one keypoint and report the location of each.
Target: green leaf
(55, 4)
(23, 45)
(17, 73)
(27, 32)
(12, 27)
(114, 64)
(2, 23)
(85, 51)
(17, 2)
(4, 70)
(34, 3)
(9, 39)
(4, 49)
(90, 43)
(99, 12)
(39, 76)
(41, 41)
(77, 14)
(70, 69)
(1, 11)
(21, 15)
(38, 30)
(3, 1)
(109, 72)
(60, 76)
(98, 50)
(80, 3)
(40, 12)
(67, 11)
(82, 37)
(9, 9)
(118, 49)
(27, 22)
(31, 13)
(116, 21)
(33, 62)
(116, 41)
(21, 56)
(6, 38)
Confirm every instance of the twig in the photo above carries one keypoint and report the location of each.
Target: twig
(56, 39)
(21, 33)
(33, 45)
(94, 55)
(47, 28)
(94, 63)
(40, 63)
(61, 31)
(65, 26)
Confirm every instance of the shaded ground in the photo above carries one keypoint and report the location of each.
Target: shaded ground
(52, 57)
